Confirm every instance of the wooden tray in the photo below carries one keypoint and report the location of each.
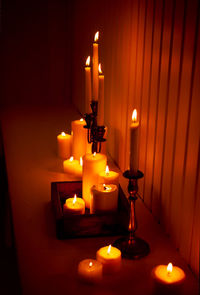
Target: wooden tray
(86, 225)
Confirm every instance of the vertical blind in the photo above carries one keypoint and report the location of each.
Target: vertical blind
(150, 53)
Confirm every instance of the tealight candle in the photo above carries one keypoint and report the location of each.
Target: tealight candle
(64, 142)
(90, 270)
(92, 165)
(110, 257)
(74, 206)
(104, 198)
(168, 279)
(109, 177)
(79, 140)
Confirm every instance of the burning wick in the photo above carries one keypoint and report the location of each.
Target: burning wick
(71, 159)
(134, 115)
(107, 170)
(74, 200)
(81, 119)
(94, 154)
(90, 264)
(109, 249)
(81, 161)
(63, 133)
(96, 36)
(88, 61)
(169, 269)
(104, 187)
(100, 70)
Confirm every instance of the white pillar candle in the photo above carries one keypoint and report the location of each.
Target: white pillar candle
(110, 257)
(88, 86)
(104, 198)
(109, 177)
(64, 143)
(95, 67)
(100, 116)
(168, 279)
(73, 167)
(92, 165)
(90, 270)
(134, 134)
(75, 206)
(79, 140)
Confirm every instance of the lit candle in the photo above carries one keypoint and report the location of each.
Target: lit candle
(134, 133)
(100, 117)
(88, 86)
(73, 167)
(168, 279)
(92, 165)
(104, 198)
(74, 206)
(95, 67)
(79, 140)
(110, 257)
(90, 270)
(109, 177)
(64, 142)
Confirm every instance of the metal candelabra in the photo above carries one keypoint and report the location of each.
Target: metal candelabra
(95, 133)
(131, 246)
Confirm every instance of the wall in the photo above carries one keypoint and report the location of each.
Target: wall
(150, 51)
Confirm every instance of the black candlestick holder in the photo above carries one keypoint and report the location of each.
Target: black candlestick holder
(95, 133)
(131, 246)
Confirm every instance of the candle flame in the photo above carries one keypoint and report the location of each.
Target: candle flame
(74, 200)
(100, 70)
(90, 264)
(63, 133)
(94, 154)
(81, 119)
(169, 268)
(107, 170)
(81, 161)
(134, 115)
(71, 159)
(88, 61)
(96, 36)
(109, 249)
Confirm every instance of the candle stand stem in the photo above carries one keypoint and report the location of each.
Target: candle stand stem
(131, 246)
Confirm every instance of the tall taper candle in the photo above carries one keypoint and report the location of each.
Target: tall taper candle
(134, 133)
(95, 67)
(88, 86)
(100, 117)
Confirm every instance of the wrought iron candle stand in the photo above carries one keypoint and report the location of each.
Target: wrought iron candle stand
(95, 133)
(131, 246)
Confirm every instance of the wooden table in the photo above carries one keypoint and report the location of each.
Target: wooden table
(47, 265)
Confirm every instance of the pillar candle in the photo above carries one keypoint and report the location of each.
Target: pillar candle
(64, 142)
(100, 116)
(90, 271)
(110, 257)
(79, 140)
(88, 86)
(73, 167)
(92, 165)
(75, 206)
(168, 279)
(95, 67)
(134, 133)
(104, 198)
(109, 177)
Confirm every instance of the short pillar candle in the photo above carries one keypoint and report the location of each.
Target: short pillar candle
(64, 143)
(70, 165)
(75, 206)
(90, 271)
(110, 257)
(168, 279)
(109, 177)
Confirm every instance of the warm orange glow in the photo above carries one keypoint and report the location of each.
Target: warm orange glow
(71, 159)
(94, 154)
(100, 70)
(81, 119)
(134, 115)
(88, 61)
(109, 249)
(169, 268)
(63, 133)
(81, 161)
(90, 264)
(96, 36)
(74, 200)
(107, 170)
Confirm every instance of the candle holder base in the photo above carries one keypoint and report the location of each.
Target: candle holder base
(134, 248)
